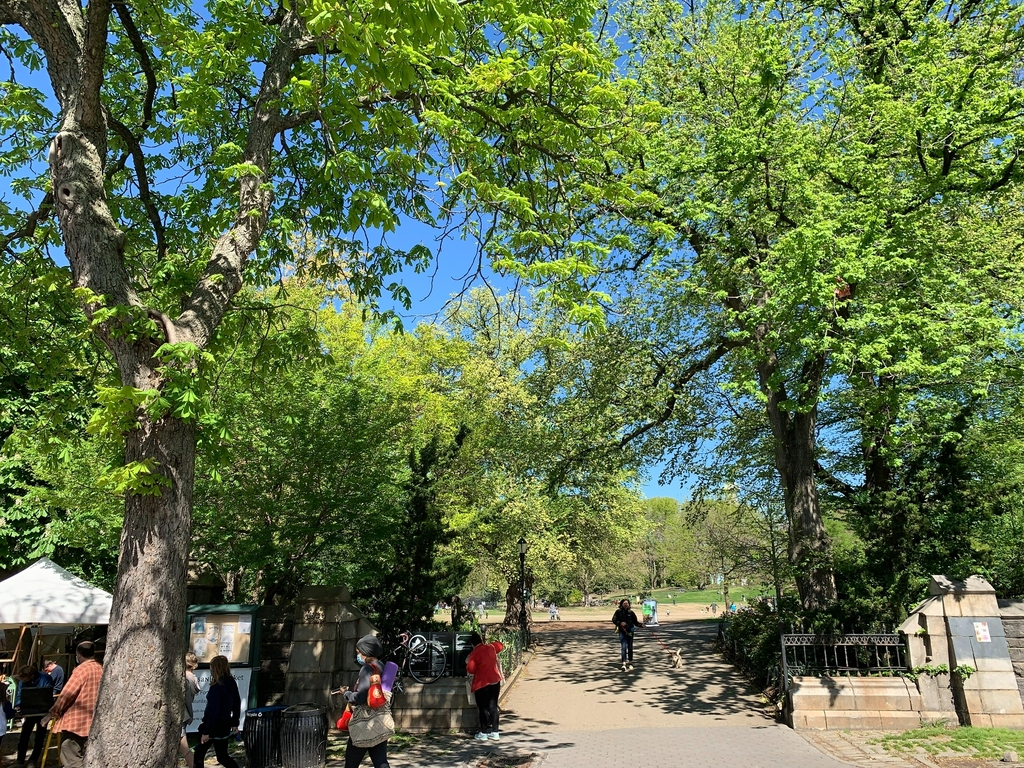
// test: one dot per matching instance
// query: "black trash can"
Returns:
(262, 737)
(304, 736)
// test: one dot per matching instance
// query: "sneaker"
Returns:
(630, 665)
(494, 736)
(481, 736)
(623, 666)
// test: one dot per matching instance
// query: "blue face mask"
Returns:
(360, 659)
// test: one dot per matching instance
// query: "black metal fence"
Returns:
(457, 648)
(853, 655)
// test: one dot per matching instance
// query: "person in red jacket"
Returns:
(483, 665)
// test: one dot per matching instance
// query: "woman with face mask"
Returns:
(368, 652)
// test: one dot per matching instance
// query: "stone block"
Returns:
(941, 585)
(887, 703)
(350, 630)
(978, 720)
(312, 657)
(995, 680)
(972, 701)
(325, 594)
(1007, 721)
(1011, 609)
(936, 694)
(315, 613)
(935, 625)
(310, 633)
(853, 721)
(417, 720)
(993, 665)
(808, 720)
(977, 604)
(900, 721)
(1001, 702)
(917, 650)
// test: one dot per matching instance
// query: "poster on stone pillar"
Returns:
(981, 633)
(242, 675)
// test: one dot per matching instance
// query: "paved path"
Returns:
(574, 708)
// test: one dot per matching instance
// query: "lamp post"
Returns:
(522, 585)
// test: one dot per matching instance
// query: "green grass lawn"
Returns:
(935, 740)
(701, 597)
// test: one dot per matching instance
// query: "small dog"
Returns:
(677, 659)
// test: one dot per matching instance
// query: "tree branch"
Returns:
(28, 229)
(222, 278)
(684, 377)
(89, 108)
(832, 482)
(139, 46)
(139, 161)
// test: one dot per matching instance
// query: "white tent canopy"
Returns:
(46, 594)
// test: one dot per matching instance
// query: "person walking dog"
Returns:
(626, 622)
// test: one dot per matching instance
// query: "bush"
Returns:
(750, 638)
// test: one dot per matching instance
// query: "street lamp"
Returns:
(522, 585)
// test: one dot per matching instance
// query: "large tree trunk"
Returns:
(514, 604)
(148, 631)
(793, 433)
(138, 715)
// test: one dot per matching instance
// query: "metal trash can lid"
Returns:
(258, 711)
(304, 708)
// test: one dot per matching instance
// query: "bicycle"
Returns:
(424, 660)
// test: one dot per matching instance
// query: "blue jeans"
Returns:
(626, 641)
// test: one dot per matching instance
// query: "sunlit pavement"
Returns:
(574, 707)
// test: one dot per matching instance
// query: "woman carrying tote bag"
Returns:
(370, 728)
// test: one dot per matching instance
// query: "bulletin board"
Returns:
(221, 634)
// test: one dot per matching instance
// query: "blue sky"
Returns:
(430, 290)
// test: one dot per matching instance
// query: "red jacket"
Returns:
(482, 664)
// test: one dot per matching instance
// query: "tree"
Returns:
(844, 191)
(190, 143)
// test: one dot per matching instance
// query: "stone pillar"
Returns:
(323, 647)
(928, 650)
(976, 639)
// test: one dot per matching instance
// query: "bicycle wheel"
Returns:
(430, 663)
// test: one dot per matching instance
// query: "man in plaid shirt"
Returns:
(74, 707)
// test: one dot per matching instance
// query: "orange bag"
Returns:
(375, 698)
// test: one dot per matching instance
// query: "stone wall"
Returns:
(1012, 612)
(442, 705)
(854, 703)
(309, 648)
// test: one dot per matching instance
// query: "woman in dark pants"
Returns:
(482, 663)
(223, 709)
(368, 651)
(626, 622)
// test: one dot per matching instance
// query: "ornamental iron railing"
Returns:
(852, 655)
